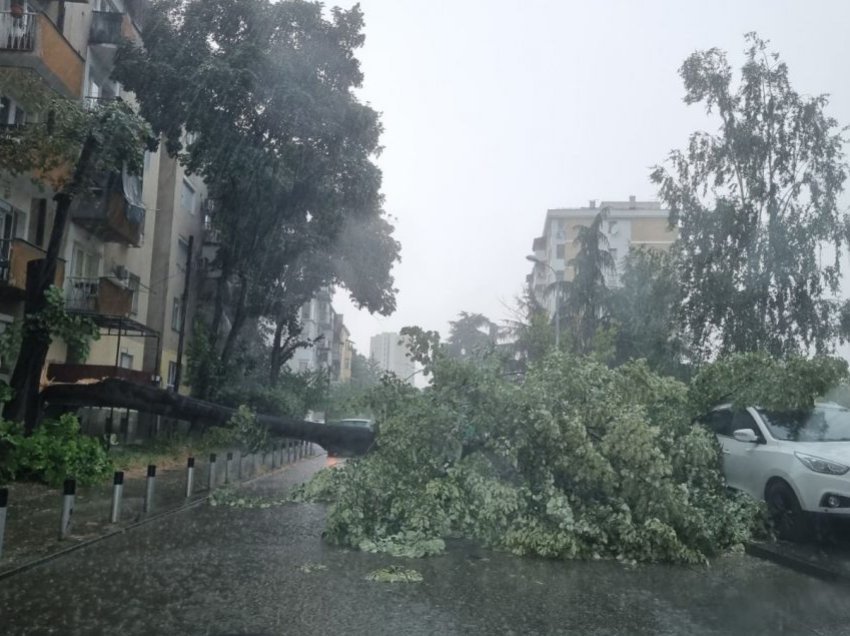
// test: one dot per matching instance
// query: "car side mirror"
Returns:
(746, 435)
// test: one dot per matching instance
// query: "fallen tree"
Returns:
(574, 460)
(343, 440)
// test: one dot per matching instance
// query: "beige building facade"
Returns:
(627, 225)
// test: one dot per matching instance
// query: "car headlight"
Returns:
(821, 465)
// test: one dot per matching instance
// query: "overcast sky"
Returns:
(497, 110)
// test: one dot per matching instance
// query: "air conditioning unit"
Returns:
(121, 272)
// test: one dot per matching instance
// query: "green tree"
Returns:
(644, 308)
(472, 336)
(754, 203)
(264, 93)
(530, 335)
(584, 303)
(68, 148)
(365, 372)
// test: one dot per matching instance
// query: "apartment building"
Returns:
(317, 324)
(125, 250)
(390, 352)
(174, 270)
(342, 351)
(627, 225)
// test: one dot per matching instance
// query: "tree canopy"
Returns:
(258, 98)
(754, 203)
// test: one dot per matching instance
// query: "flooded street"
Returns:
(220, 570)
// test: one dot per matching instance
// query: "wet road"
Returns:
(214, 570)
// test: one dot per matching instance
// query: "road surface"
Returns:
(215, 570)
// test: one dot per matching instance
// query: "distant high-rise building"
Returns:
(390, 352)
(627, 224)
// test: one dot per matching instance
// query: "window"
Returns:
(105, 5)
(719, 422)
(176, 314)
(39, 217)
(125, 361)
(303, 366)
(171, 381)
(182, 253)
(560, 248)
(11, 114)
(84, 264)
(5, 362)
(187, 197)
(559, 276)
(134, 283)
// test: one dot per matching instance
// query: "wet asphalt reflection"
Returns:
(214, 570)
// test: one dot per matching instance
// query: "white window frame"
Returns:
(187, 186)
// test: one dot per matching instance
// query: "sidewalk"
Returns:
(33, 513)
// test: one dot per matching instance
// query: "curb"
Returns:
(114, 532)
(775, 554)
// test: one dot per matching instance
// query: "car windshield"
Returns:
(820, 424)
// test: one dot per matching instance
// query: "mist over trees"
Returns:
(258, 98)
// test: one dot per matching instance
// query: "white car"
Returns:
(798, 462)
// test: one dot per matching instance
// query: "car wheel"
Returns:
(789, 520)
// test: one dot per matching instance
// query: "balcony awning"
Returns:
(133, 194)
(115, 325)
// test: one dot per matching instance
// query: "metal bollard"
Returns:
(190, 476)
(288, 452)
(4, 500)
(117, 493)
(149, 488)
(69, 489)
(239, 467)
(212, 471)
(274, 456)
(227, 466)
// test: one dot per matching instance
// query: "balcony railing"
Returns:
(17, 31)
(15, 256)
(31, 41)
(92, 103)
(98, 296)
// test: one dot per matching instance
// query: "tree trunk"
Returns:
(238, 320)
(26, 377)
(275, 361)
(345, 440)
(218, 307)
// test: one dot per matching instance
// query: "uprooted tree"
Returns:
(577, 460)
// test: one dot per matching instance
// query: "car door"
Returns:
(719, 422)
(741, 461)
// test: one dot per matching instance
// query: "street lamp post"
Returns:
(538, 261)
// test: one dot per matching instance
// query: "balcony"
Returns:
(15, 256)
(31, 41)
(101, 296)
(74, 373)
(114, 213)
(107, 28)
